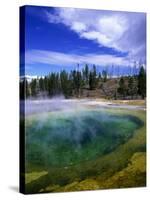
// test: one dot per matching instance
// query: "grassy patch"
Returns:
(29, 177)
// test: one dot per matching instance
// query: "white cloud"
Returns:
(78, 26)
(62, 59)
(97, 36)
(124, 31)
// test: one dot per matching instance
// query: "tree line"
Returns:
(71, 84)
(133, 86)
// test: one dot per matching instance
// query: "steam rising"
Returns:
(65, 132)
(59, 103)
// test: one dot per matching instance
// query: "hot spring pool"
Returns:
(61, 139)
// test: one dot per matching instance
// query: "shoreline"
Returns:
(49, 105)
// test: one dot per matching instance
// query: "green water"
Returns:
(64, 139)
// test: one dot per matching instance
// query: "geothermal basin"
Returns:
(66, 134)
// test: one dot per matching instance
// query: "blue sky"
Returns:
(61, 38)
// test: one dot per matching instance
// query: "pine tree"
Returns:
(142, 82)
(65, 83)
(22, 89)
(41, 84)
(99, 75)
(91, 85)
(33, 86)
(87, 73)
(27, 89)
(46, 83)
(122, 87)
(77, 81)
(92, 78)
(132, 86)
(53, 84)
(104, 74)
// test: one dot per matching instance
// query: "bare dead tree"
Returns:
(112, 70)
(118, 71)
(134, 68)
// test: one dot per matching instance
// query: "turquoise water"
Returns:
(67, 138)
